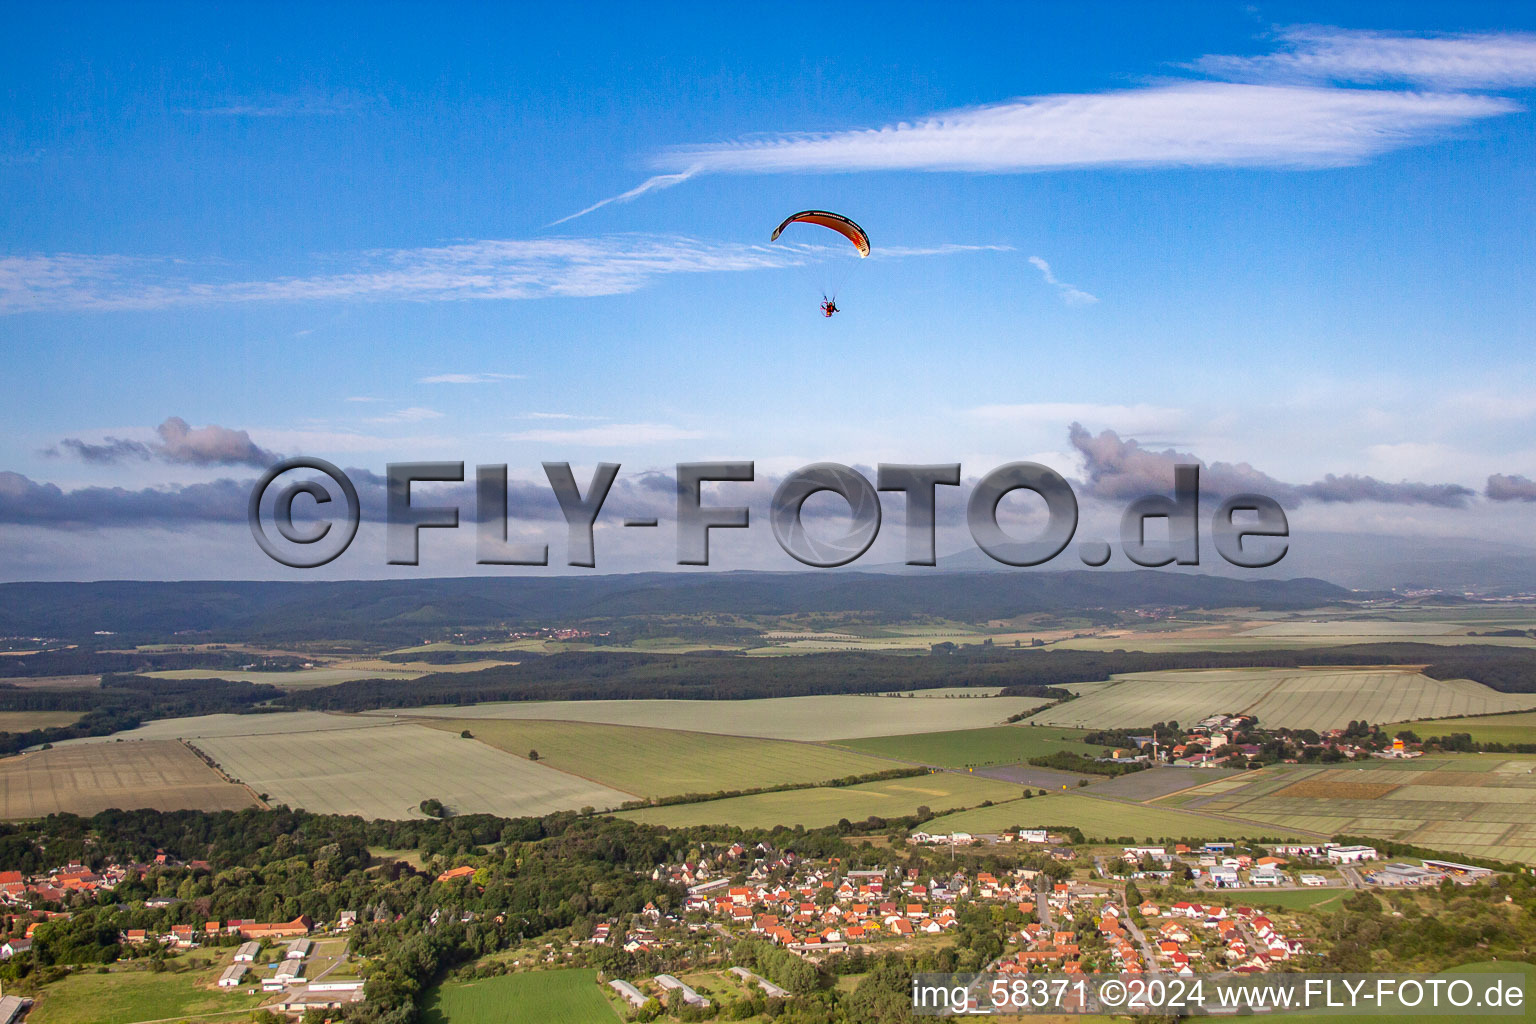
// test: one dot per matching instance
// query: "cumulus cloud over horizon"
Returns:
(1115, 469)
(1120, 468)
(1510, 487)
(179, 442)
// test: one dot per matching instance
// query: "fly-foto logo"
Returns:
(1249, 530)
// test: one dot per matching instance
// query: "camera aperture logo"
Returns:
(1250, 530)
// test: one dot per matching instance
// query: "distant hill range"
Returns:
(1360, 561)
(410, 609)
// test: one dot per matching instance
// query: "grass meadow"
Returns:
(537, 997)
(128, 995)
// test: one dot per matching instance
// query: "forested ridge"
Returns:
(1025, 672)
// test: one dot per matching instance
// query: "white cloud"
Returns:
(557, 416)
(470, 378)
(481, 269)
(609, 434)
(411, 414)
(1285, 109)
(1070, 294)
(651, 184)
(1465, 61)
(1190, 124)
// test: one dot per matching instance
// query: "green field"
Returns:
(539, 997)
(834, 717)
(1479, 805)
(129, 995)
(1294, 698)
(1003, 744)
(1516, 728)
(665, 762)
(1100, 819)
(814, 808)
(1323, 898)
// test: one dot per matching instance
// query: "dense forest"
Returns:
(408, 610)
(77, 661)
(1023, 672)
(123, 702)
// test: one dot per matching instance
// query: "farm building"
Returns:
(631, 995)
(298, 949)
(247, 952)
(232, 975)
(671, 984)
(769, 988)
(276, 930)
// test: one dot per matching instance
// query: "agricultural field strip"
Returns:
(164, 775)
(1514, 727)
(388, 776)
(1104, 819)
(995, 745)
(664, 762)
(207, 726)
(825, 806)
(1473, 806)
(1357, 627)
(814, 719)
(1318, 699)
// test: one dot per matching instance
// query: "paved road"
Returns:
(1141, 939)
(1043, 886)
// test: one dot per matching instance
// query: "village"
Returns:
(304, 965)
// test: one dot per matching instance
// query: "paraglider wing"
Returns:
(836, 221)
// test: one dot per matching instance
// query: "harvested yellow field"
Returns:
(1324, 698)
(787, 718)
(86, 780)
(26, 721)
(387, 772)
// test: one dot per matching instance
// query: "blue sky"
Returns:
(1276, 239)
